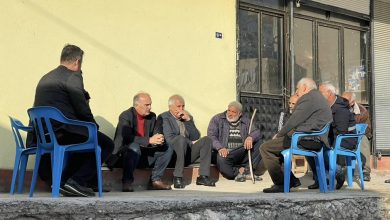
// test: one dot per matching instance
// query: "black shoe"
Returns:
(274, 189)
(366, 177)
(315, 185)
(205, 181)
(387, 181)
(75, 188)
(178, 182)
(67, 193)
(295, 182)
(340, 179)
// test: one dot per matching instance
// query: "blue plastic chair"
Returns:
(350, 155)
(21, 156)
(318, 155)
(42, 118)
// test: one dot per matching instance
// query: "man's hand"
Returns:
(156, 139)
(248, 144)
(183, 115)
(223, 152)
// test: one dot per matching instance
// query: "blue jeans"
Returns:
(136, 156)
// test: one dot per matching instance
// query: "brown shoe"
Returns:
(127, 187)
(159, 185)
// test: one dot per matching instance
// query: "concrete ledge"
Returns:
(307, 205)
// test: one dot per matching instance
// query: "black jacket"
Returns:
(343, 123)
(126, 130)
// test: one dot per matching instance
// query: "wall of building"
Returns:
(162, 47)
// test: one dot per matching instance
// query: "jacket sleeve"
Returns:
(302, 112)
(193, 132)
(212, 132)
(126, 133)
(75, 88)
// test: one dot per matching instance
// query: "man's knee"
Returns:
(134, 148)
(179, 141)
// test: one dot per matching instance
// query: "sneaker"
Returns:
(67, 193)
(240, 178)
(274, 189)
(205, 181)
(75, 188)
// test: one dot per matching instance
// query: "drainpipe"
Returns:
(292, 53)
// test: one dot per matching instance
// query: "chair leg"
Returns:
(22, 172)
(15, 171)
(321, 172)
(332, 169)
(99, 170)
(287, 156)
(57, 170)
(360, 165)
(350, 166)
(35, 173)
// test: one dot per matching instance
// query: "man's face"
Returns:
(291, 103)
(348, 96)
(301, 90)
(177, 108)
(325, 92)
(233, 113)
(144, 105)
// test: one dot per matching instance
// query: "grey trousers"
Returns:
(200, 150)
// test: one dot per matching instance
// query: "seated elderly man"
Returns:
(139, 140)
(343, 123)
(232, 139)
(183, 137)
(311, 113)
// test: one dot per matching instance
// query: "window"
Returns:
(260, 60)
(328, 55)
(355, 66)
(303, 46)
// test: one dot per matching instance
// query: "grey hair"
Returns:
(137, 97)
(175, 97)
(308, 82)
(236, 105)
(330, 87)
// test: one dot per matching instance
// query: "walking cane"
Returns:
(249, 151)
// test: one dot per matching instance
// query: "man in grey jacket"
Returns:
(311, 113)
(232, 139)
(183, 137)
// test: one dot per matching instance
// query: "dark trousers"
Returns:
(229, 166)
(142, 157)
(81, 167)
(200, 150)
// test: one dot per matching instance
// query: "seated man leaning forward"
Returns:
(311, 113)
(232, 139)
(182, 136)
(138, 136)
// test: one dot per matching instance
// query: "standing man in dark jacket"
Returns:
(232, 139)
(311, 113)
(138, 136)
(183, 137)
(63, 88)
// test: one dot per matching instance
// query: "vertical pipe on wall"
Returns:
(292, 54)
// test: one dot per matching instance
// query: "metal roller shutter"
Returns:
(381, 48)
(360, 6)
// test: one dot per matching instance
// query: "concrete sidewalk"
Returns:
(229, 200)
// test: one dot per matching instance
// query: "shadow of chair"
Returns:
(42, 119)
(21, 154)
(351, 157)
(318, 156)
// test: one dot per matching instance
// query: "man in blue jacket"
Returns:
(232, 139)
